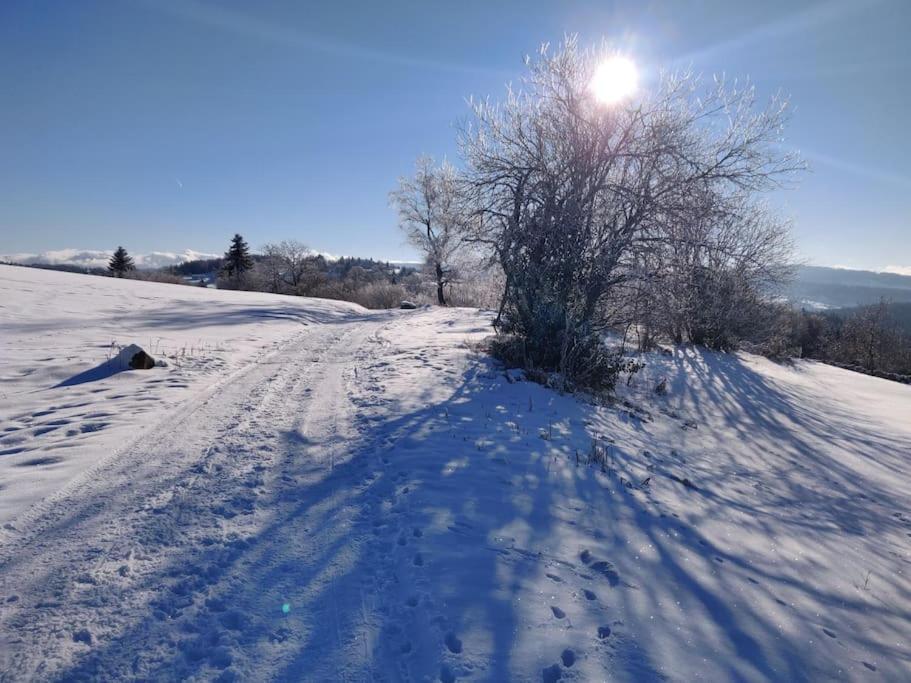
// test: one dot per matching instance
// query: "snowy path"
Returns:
(372, 501)
(235, 503)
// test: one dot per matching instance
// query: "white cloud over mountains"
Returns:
(98, 258)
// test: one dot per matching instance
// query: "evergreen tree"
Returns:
(121, 263)
(237, 259)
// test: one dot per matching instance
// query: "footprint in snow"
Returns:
(418, 560)
(554, 577)
(552, 674)
(233, 620)
(83, 636)
(589, 595)
(568, 657)
(603, 632)
(453, 643)
(559, 613)
(606, 569)
(829, 633)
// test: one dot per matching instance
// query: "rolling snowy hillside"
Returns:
(64, 407)
(316, 492)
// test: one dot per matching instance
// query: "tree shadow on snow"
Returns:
(389, 527)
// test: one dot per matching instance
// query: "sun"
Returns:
(615, 79)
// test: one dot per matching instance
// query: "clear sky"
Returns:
(171, 124)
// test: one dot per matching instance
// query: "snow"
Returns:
(65, 405)
(368, 497)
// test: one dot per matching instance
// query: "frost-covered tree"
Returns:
(270, 269)
(237, 259)
(576, 198)
(870, 337)
(432, 216)
(712, 273)
(284, 265)
(121, 263)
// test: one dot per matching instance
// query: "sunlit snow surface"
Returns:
(365, 497)
(63, 406)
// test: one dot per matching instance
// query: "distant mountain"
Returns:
(822, 288)
(94, 258)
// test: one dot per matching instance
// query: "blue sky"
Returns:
(165, 125)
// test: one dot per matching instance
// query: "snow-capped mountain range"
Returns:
(98, 258)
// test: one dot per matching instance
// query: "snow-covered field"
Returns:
(364, 497)
(64, 408)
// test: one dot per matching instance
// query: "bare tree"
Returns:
(285, 264)
(711, 274)
(431, 215)
(296, 256)
(870, 337)
(573, 197)
(270, 269)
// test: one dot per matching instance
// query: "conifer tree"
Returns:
(121, 263)
(237, 259)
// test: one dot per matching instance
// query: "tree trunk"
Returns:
(441, 300)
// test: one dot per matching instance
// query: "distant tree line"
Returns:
(197, 267)
(875, 339)
(290, 267)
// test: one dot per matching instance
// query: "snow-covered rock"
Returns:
(133, 357)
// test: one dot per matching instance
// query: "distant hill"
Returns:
(822, 288)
